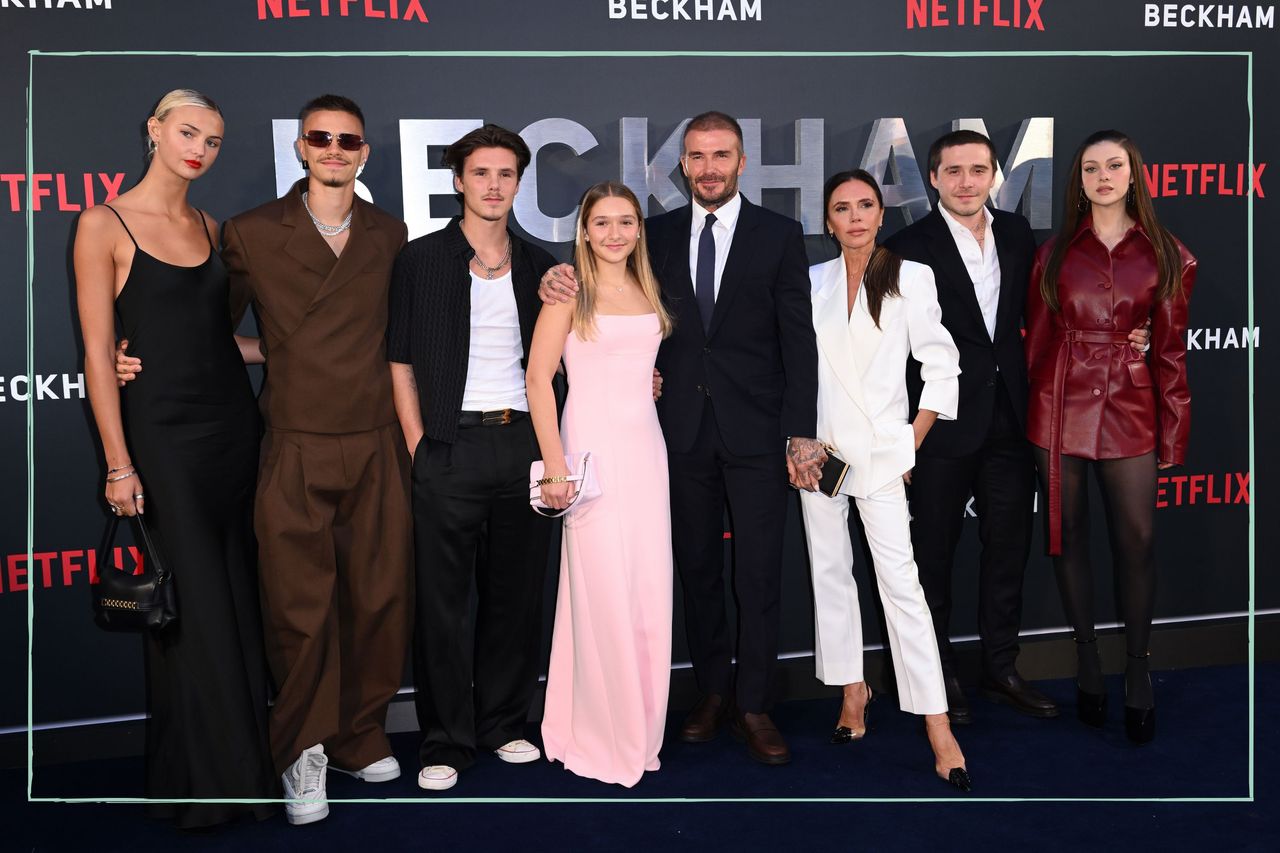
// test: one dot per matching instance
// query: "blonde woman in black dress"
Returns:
(180, 444)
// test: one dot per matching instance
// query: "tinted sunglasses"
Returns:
(322, 138)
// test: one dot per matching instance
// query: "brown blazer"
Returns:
(323, 318)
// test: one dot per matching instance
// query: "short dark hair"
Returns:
(954, 138)
(489, 136)
(330, 103)
(713, 120)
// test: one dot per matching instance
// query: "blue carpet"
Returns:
(1201, 751)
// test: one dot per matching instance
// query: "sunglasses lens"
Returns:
(318, 138)
(322, 138)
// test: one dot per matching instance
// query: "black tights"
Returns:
(1128, 492)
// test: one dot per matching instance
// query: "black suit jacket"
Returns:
(429, 318)
(929, 241)
(758, 363)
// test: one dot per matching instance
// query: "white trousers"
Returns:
(838, 619)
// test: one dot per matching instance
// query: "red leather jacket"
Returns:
(1093, 395)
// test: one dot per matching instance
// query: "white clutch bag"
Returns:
(581, 474)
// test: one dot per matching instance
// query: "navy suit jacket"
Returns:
(758, 362)
(929, 241)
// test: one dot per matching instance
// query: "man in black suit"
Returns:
(738, 410)
(981, 259)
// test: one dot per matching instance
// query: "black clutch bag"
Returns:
(834, 470)
(123, 601)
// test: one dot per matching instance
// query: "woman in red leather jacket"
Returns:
(1096, 402)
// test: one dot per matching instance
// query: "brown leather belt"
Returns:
(1066, 337)
(494, 417)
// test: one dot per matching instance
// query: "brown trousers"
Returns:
(335, 553)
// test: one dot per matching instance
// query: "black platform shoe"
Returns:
(1091, 708)
(845, 734)
(1140, 724)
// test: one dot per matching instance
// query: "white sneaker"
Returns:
(304, 786)
(382, 770)
(437, 777)
(518, 752)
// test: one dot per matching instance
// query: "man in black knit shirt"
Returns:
(464, 301)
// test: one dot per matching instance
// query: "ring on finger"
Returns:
(138, 496)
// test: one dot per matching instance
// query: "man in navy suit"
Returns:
(738, 411)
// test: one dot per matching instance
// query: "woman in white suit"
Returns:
(872, 311)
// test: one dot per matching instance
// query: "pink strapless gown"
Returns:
(611, 649)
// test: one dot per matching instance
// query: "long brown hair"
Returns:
(881, 275)
(1137, 204)
(584, 310)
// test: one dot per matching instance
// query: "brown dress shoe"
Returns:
(764, 741)
(703, 722)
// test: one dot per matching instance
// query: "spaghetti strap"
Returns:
(205, 225)
(122, 224)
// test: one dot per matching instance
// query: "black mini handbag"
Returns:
(127, 602)
(834, 470)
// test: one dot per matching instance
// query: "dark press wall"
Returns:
(582, 81)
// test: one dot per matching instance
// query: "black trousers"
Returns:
(1001, 477)
(755, 488)
(472, 523)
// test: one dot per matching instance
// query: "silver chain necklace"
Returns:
(490, 272)
(327, 230)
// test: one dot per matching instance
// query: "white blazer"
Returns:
(862, 371)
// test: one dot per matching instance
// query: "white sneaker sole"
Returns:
(385, 776)
(304, 813)
(518, 757)
(437, 784)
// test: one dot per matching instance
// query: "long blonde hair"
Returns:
(584, 259)
(171, 101)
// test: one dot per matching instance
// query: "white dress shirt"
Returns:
(722, 231)
(495, 379)
(981, 262)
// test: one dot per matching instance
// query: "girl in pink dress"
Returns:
(611, 648)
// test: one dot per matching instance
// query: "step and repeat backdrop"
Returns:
(600, 89)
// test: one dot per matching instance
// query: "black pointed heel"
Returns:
(845, 734)
(959, 778)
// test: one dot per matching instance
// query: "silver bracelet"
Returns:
(122, 477)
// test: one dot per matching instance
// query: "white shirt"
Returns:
(721, 231)
(495, 379)
(982, 263)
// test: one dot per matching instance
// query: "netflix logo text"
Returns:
(1012, 14)
(62, 568)
(393, 10)
(1202, 179)
(68, 191)
(1197, 489)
